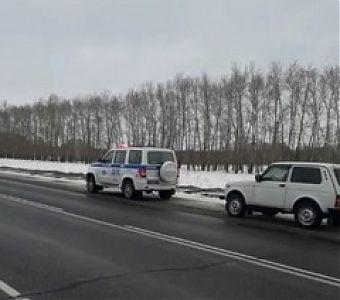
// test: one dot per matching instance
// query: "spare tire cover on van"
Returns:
(168, 171)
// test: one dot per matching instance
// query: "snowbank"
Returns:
(201, 179)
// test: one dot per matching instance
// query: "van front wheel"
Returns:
(91, 184)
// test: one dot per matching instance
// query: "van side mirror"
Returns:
(258, 177)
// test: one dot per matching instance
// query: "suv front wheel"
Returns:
(235, 206)
(308, 215)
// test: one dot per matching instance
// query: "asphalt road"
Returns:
(60, 243)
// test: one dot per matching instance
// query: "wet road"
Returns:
(60, 243)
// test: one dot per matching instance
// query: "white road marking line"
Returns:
(243, 257)
(10, 291)
(233, 253)
(321, 278)
(31, 203)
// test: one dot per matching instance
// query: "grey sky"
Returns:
(73, 47)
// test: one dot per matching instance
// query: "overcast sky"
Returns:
(73, 47)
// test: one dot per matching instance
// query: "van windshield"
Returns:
(337, 175)
(160, 157)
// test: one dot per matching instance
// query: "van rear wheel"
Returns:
(165, 194)
(128, 189)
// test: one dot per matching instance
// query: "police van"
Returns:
(134, 170)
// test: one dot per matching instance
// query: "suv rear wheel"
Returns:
(235, 206)
(308, 215)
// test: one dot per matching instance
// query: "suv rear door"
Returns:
(312, 182)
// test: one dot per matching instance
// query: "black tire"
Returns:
(235, 206)
(91, 184)
(165, 194)
(269, 212)
(128, 189)
(308, 215)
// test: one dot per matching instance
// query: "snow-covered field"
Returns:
(201, 179)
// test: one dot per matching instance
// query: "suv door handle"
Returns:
(282, 185)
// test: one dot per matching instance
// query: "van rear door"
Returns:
(155, 159)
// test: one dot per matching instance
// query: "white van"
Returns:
(134, 170)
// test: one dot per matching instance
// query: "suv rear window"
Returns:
(160, 157)
(135, 157)
(306, 175)
(337, 175)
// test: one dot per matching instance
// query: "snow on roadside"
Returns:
(213, 179)
(44, 165)
(201, 179)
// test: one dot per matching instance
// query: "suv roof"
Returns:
(306, 163)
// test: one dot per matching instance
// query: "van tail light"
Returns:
(141, 172)
(337, 201)
(178, 172)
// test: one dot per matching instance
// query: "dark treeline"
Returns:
(248, 117)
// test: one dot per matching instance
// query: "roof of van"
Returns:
(306, 163)
(141, 148)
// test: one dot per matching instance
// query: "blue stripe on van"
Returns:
(127, 166)
(96, 165)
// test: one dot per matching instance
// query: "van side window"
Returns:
(107, 159)
(160, 157)
(306, 175)
(135, 157)
(120, 157)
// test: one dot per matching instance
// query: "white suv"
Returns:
(134, 170)
(310, 191)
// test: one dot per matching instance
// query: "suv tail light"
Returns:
(337, 201)
(141, 172)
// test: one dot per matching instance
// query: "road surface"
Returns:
(60, 243)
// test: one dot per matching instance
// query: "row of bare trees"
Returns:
(249, 115)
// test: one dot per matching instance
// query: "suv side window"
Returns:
(135, 157)
(107, 159)
(276, 173)
(120, 157)
(306, 175)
